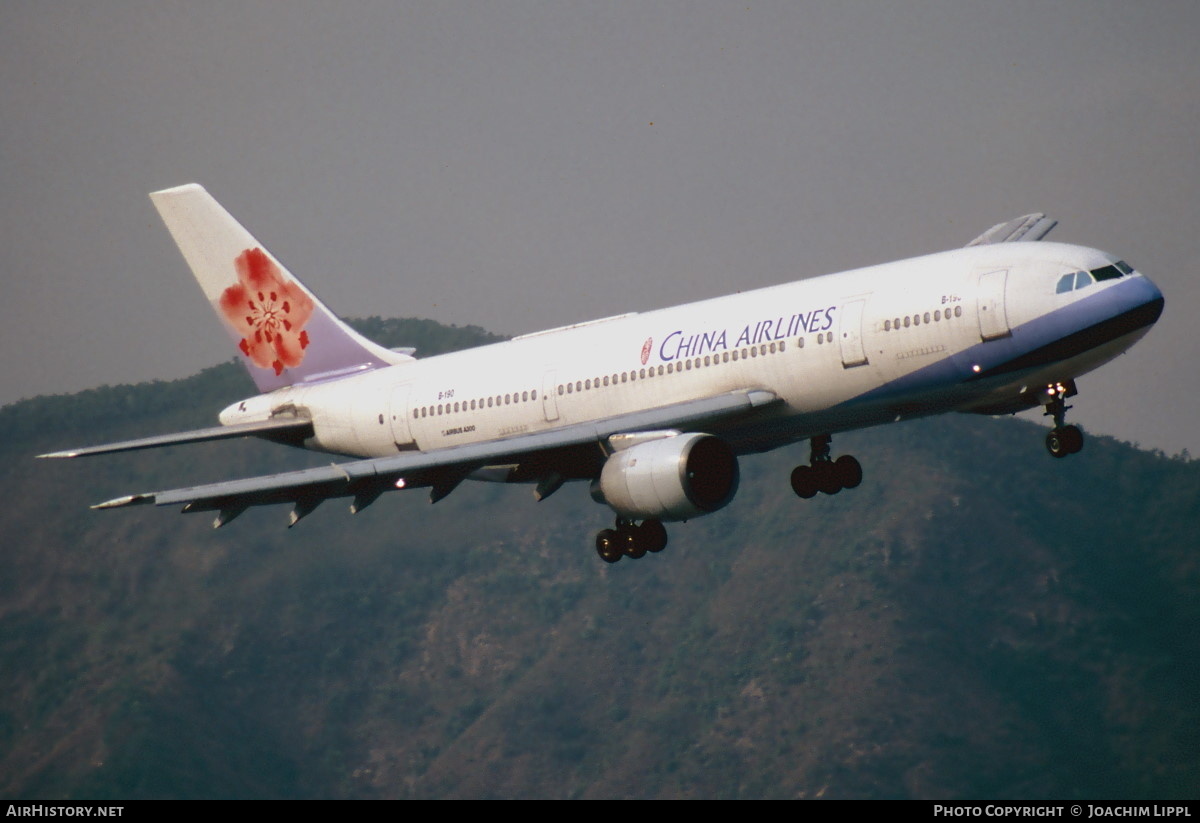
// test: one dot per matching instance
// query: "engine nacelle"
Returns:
(675, 478)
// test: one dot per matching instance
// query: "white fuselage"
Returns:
(954, 330)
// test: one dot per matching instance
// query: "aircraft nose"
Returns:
(1149, 300)
(1159, 300)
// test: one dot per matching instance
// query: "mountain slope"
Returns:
(976, 620)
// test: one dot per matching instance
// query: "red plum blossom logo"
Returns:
(268, 311)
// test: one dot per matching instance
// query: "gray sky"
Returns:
(521, 165)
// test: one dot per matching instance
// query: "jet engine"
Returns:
(674, 478)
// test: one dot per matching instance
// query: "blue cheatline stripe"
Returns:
(1058, 335)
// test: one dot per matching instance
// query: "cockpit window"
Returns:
(1082, 279)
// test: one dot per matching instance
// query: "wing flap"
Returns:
(281, 429)
(1025, 229)
(365, 479)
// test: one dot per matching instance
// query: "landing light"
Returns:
(400, 483)
(975, 368)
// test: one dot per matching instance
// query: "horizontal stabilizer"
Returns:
(1024, 229)
(280, 430)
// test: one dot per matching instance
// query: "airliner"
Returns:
(652, 409)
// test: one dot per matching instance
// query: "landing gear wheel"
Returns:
(1057, 444)
(631, 543)
(827, 478)
(804, 483)
(849, 471)
(1073, 437)
(608, 546)
(823, 474)
(653, 535)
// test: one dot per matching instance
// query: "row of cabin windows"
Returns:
(677, 366)
(762, 350)
(918, 319)
(472, 405)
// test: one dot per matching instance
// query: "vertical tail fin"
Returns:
(285, 334)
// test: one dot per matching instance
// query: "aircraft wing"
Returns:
(1018, 230)
(280, 429)
(442, 469)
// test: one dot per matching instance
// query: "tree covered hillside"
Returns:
(976, 620)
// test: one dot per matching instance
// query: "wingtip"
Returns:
(127, 500)
(185, 188)
(57, 455)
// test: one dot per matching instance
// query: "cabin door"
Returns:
(853, 353)
(399, 413)
(549, 398)
(993, 317)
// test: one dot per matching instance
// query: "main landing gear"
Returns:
(630, 540)
(824, 474)
(1063, 439)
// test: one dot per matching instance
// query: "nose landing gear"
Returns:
(1064, 438)
(824, 474)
